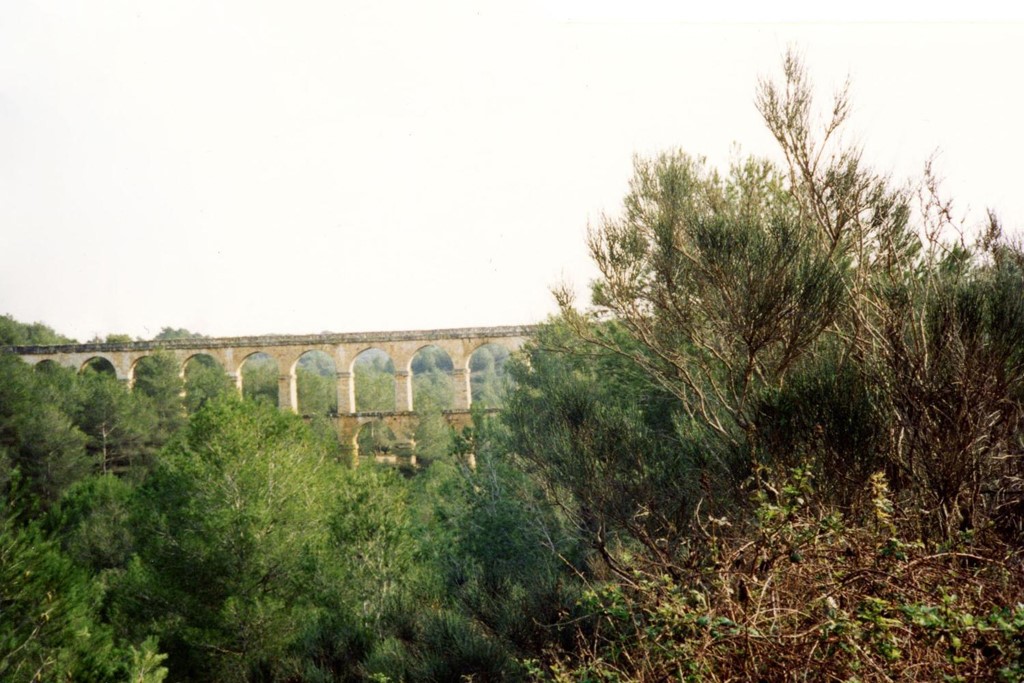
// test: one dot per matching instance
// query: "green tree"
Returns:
(433, 392)
(51, 627)
(488, 378)
(259, 378)
(158, 382)
(252, 541)
(488, 588)
(610, 446)
(509, 556)
(433, 435)
(713, 288)
(317, 384)
(93, 524)
(767, 319)
(38, 439)
(205, 380)
(926, 319)
(230, 520)
(375, 438)
(123, 432)
(374, 378)
(14, 333)
(170, 333)
(720, 283)
(431, 358)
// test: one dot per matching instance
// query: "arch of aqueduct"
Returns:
(232, 352)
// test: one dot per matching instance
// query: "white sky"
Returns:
(246, 167)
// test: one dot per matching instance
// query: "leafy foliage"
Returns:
(122, 430)
(228, 522)
(14, 333)
(158, 380)
(603, 440)
(167, 333)
(806, 595)
(489, 381)
(205, 380)
(247, 531)
(374, 378)
(804, 321)
(39, 441)
(317, 384)
(259, 378)
(51, 627)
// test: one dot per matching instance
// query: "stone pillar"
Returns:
(462, 396)
(348, 431)
(236, 380)
(403, 391)
(287, 393)
(346, 394)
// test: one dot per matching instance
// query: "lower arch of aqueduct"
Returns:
(232, 352)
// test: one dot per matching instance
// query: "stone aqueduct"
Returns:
(232, 352)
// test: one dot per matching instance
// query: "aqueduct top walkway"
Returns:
(231, 353)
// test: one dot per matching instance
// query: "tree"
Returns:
(205, 380)
(433, 435)
(769, 350)
(605, 441)
(374, 378)
(433, 393)
(252, 540)
(375, 438)
(505, 557)
(168, 333)
(728, 287)
(719, 282)
(14, 333)
(92, 522)
(228, 522)
(39, 444)
(123, 433)
(51, 627)
(317, 384)
(489, 381)
(157, 381)
(259, 379)
(926, 316)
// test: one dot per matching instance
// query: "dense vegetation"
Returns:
(784, 443)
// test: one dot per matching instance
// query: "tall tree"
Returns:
(316, 380)
(14, 333)
(719, 281)
(205, 380)
(51, 627)
(158, 382)
(169, 333)
(252, 541)
(374, 378)
(121, 430)
(39, 442)
(259, 379)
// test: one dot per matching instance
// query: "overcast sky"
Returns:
(248, 167)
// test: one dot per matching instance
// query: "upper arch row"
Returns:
(344, 356)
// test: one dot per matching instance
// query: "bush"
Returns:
(804, 595)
